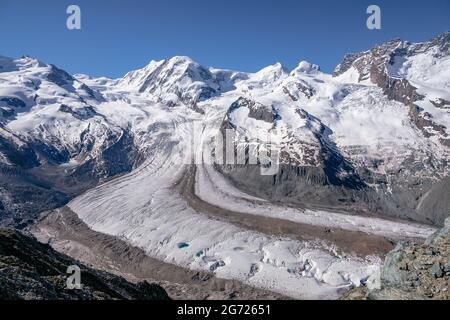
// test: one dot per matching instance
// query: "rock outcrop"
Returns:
(33, 271)
(379, 65)
(414, 271)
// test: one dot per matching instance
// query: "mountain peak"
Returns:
(9, 64)
(29, 61)
(306, 67)
(181, 59)
(276, 67)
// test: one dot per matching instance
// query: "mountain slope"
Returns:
(53, 142)
(31, 270)
(136, 158)
(414, 74)
(414, 271)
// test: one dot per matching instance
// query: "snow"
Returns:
(215, 189)
(431, 76)
(306, 67)
(142, 208)
(156, 104)
(364, 121)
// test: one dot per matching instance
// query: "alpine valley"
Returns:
(102, 170)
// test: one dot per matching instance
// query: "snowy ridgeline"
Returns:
(77, 119)
(143, 208)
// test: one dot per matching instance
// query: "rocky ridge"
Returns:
(31, 270)
(370, 138)
(414, 271)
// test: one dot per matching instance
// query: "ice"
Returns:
(160, 105)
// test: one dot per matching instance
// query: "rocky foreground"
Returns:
(30, 270)
(414, 271)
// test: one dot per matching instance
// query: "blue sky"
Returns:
(118, 36)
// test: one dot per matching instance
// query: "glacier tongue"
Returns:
(369, 139)
(143, 207)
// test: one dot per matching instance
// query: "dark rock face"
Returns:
(441, 103)
(413, 194)
(436, 202)
(35, 181)
(59, 76)
(256, 110)
(346, 63)
(22, 156)
(328, 179)
(63, 79)
(119, 157)
(301, 87)
(24, 195)
(9, 106)
(13, 102)
(31, 270)
(7, 112)
(79, 113)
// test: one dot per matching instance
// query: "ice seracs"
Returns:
(349, 141)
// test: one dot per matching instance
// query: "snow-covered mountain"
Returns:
(377, 126)
(179, 79)
(381, 138)
(370, 139)
(50, 131)
(46, 108)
